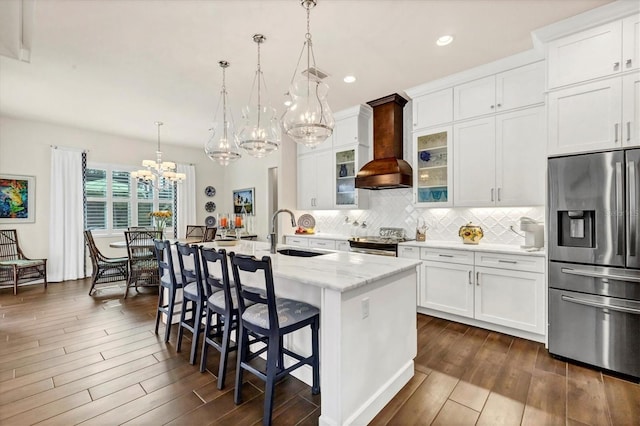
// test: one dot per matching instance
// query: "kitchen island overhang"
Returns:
(368, 336)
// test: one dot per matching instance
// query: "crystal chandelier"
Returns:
(308, 120)
(157, 173)
(260, 134)
(223, 145)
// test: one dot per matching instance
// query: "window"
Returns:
(115, 203)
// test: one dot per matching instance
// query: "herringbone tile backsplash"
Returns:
(395, 208)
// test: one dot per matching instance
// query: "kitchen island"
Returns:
(368, 337)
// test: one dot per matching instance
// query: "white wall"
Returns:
(25, 150)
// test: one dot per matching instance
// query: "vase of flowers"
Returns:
(160, 220)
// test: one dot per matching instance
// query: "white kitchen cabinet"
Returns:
(484, 288)
(322, 243)
(594, 53)
(510, 298)
(343, 245)
(353, 126)
(315, 190)
(516, 88)
(433, 109)
(432, 175)
(447, 287)
(296, 241)
(594, 116)
(630, 126)
(500, 161)
(347, 161)
(409, 252)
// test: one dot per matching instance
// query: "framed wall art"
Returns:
(243, 201)
(17, 199)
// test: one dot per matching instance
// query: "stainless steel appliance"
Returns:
(594, 265)
(385, 244)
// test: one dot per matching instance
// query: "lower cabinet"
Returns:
(486, 288)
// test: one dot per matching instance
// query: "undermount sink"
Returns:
(299, 253)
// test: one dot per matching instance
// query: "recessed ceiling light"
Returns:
(287, 103)
(349, 79)
(444, 40)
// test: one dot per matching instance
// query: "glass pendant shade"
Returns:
(222, 146)
(260, 134)
(308, 120)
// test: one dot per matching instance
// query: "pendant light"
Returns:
(157, 173)
(308, 120)
(223, 144)
(260, 134)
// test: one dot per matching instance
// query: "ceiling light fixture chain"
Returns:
(158, 174)
(222, 145)
(260, 134)
(308, 119)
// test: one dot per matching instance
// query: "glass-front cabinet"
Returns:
(346, 166)
(432, 167)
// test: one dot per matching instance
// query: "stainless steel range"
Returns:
(385, 244)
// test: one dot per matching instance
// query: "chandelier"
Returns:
(223, 145)
(157, 173)
(308, 120)
(260, 134)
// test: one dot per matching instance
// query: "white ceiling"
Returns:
(119, 66)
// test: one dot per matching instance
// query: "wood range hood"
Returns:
(387, 170)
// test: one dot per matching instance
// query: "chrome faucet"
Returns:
(273, 236)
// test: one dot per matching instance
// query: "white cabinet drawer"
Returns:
(297, 241)
(445, 255)
(343, 246)
(410, 252)
(324, 244)
(511, 261)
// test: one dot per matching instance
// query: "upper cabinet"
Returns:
(326, 174)
(500, 161)
(516, 88)
(432, 171)
(433, 109)
(602, 51)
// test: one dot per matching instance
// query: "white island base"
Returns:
(368, 332)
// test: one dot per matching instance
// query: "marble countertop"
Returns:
(340, 271)
(486, 247)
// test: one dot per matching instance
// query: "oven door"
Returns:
(373, 251)
(370, 247)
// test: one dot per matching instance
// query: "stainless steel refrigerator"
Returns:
(594, 259)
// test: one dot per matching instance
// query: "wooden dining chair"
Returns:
(105, 269)
(270, 318)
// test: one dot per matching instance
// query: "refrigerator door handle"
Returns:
(601, 305)
(633, 207)
(619, 210)
(596, 274)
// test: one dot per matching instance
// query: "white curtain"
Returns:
(66, 220)
(186, 207)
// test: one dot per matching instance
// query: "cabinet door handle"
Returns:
(445, 255)
(499, 193)
(628, 131)
(616, 65)
(499, 105)
(616, 132)
(628, 63)
(470, 278)
(478, 278)
(492, 106)
(491, 194)
(507, 261)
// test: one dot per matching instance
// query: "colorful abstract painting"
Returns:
(16, 198)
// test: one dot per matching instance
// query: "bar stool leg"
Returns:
(224, 353)
(273, 359)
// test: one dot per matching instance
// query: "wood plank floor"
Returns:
(68, 358)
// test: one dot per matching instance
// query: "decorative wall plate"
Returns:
(210, 221)
(210, 206)
(210, 191)
(306, 221)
